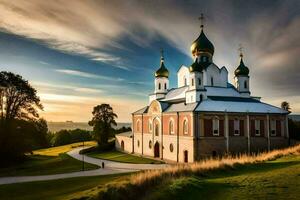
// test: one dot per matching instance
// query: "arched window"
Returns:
(159, 86)
(199, 81)
(215, 126)
(192, 82)
(185, 82)
(156, 129)
(138, 124)
(165, 86)
(212, 81)
(245, 85)
(150, 126)
(150, 144)
(185, 126)
(171, 127)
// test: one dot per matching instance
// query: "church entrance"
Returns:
(122, 145)
(186, 154)
(156, 150)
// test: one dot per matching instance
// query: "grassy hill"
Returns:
(52, 160)
(274, 175)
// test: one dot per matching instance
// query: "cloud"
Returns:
(101, 30)
(86, 75)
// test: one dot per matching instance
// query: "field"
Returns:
(55, 151)
(57, 189)
(48, 161)
(122, 157)
(276, 178)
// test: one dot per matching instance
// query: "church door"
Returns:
(122, 145)
(185, 154)
(156, 150)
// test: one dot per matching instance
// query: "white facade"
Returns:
(242, 85)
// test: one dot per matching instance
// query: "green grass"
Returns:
(279, 179)
(57, 189)
(122, 157)
(42, 165)
(55, 151)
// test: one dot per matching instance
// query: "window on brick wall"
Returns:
(171, 127)
(257, 127)
(138, 124)
(150, 126)
(216, 126)
(185, 126)
(236, 126)
(273, 127)
(156, 129)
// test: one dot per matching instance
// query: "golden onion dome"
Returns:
(202, 44)
(162, 71)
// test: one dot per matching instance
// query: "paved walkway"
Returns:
(111, 167)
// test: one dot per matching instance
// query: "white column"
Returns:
(268, 131)
(248, 133)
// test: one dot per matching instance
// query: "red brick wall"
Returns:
(278, 128)
(181, 119)
(146, 124)
(208, 127)
(135, 118)
(166, 121)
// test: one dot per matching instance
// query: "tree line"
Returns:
(22, 130)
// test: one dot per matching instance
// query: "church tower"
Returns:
(202, 50)
(241, 78)
(161, 82)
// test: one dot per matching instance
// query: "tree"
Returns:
(286, 106)
(19, 105)
(102, 121)
(62, 137)
(18, 98)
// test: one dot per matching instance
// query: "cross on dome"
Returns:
(201, 18)
(240, 49)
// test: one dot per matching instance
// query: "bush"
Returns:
(64, 137)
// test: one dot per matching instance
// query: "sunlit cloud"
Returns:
(86, 75)
(101, 31)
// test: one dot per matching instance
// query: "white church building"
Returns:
(205, 115)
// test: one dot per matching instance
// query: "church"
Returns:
(205, 115)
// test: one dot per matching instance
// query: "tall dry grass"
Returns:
(155, 176)
(140, 184)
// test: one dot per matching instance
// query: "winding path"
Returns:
(111, 167)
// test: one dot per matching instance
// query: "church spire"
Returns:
(162, 71)
(242, 69)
